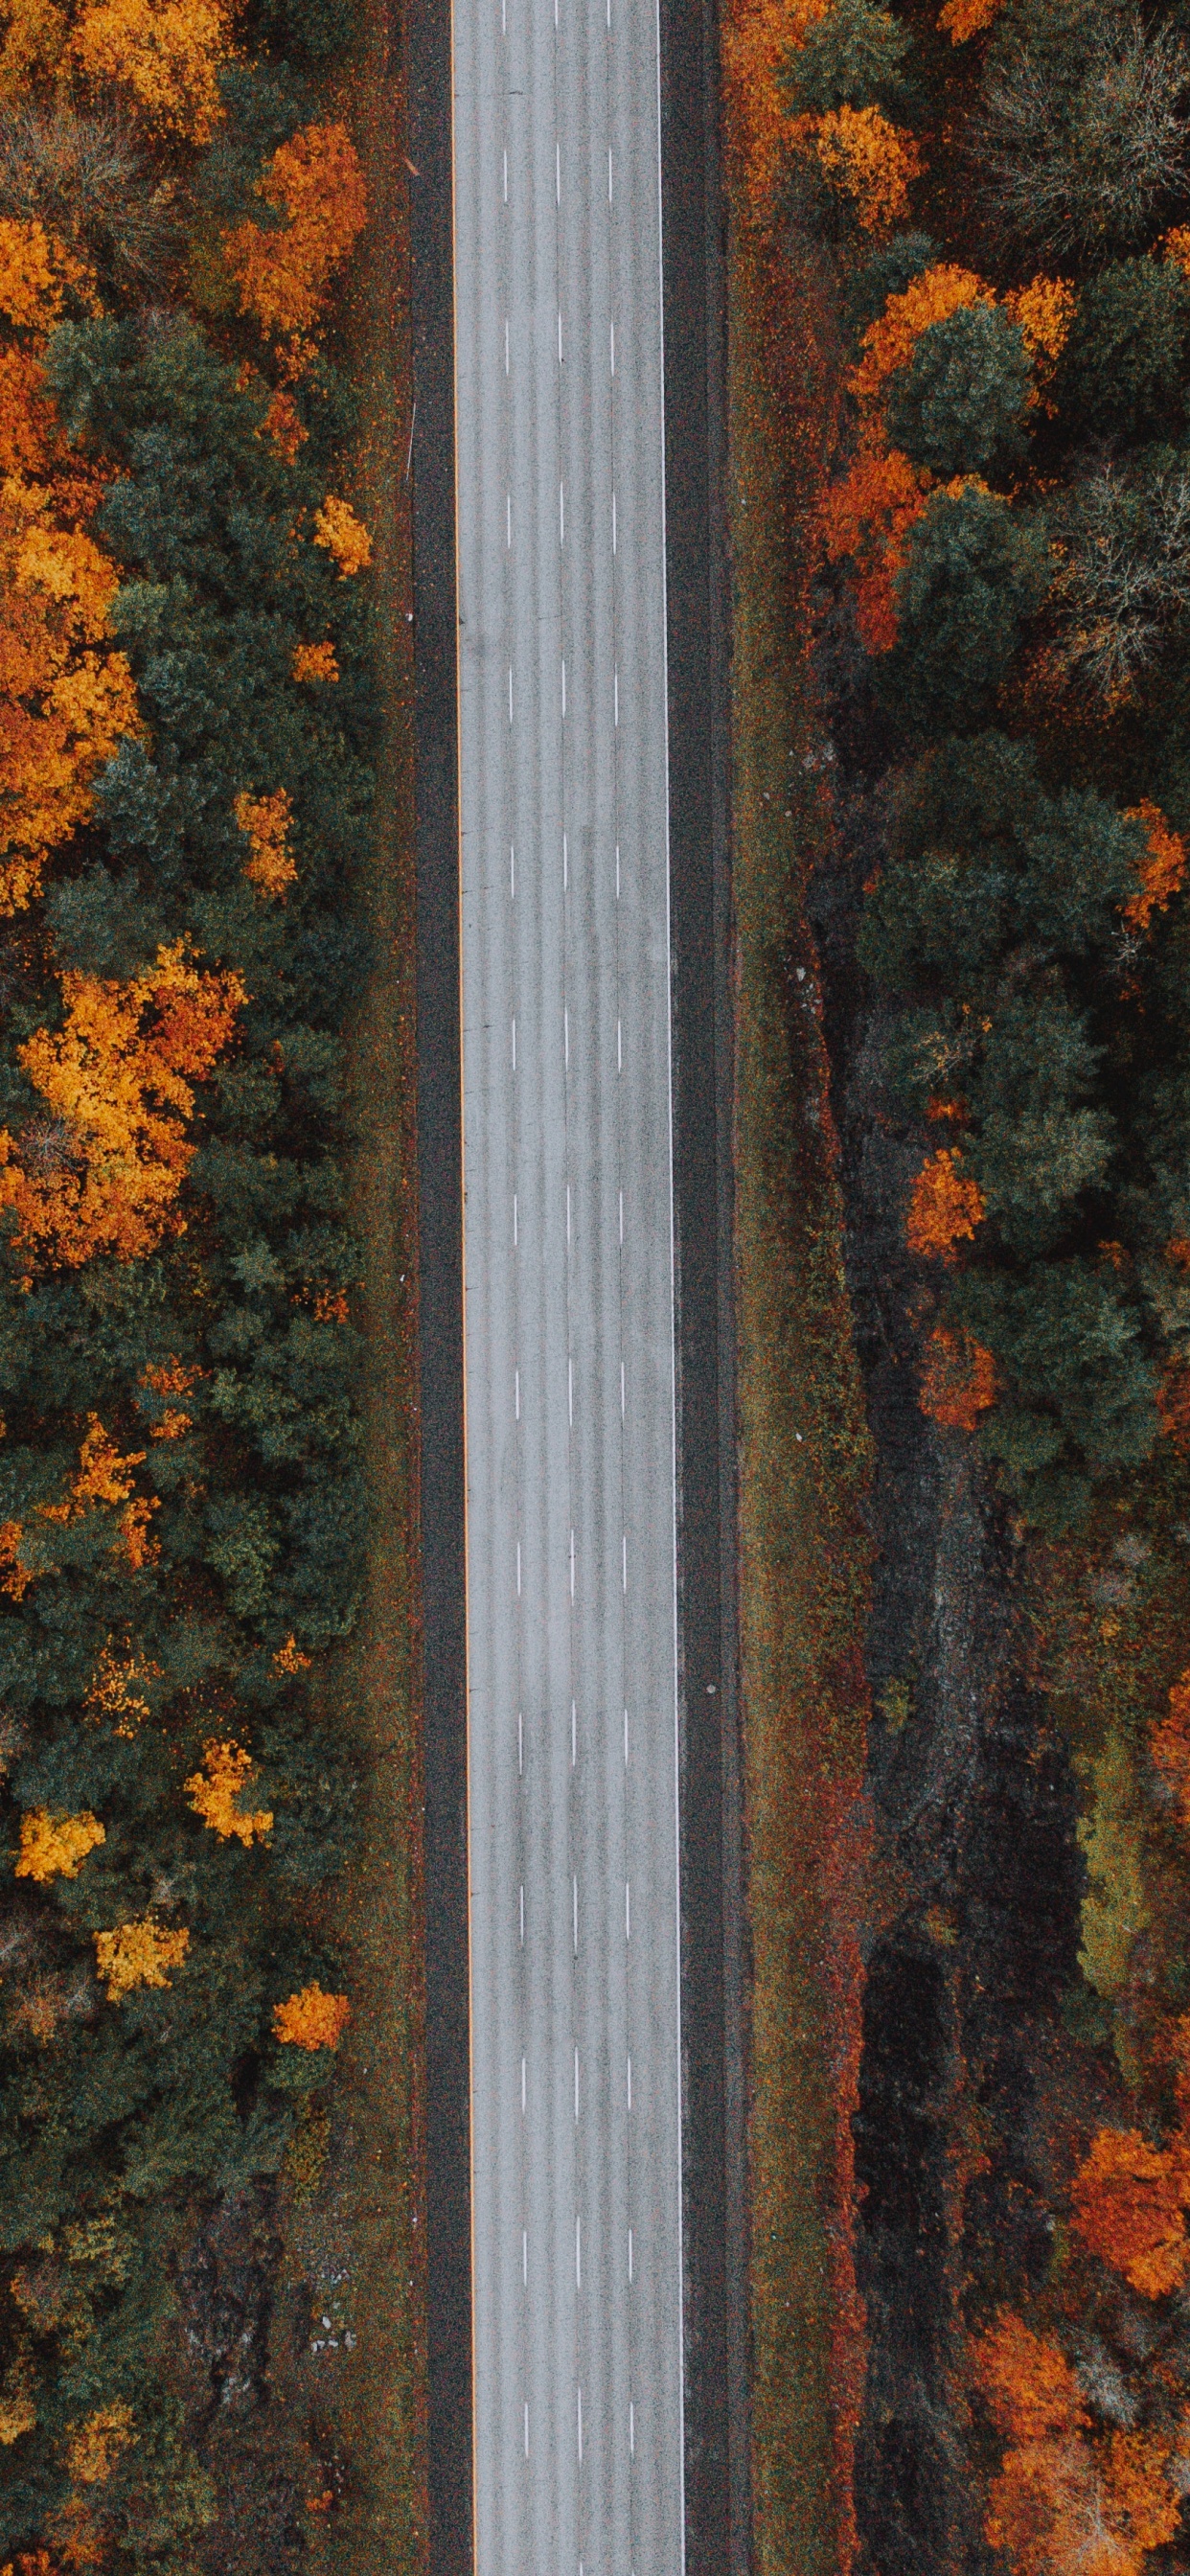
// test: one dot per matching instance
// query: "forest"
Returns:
(972, 234)
(187, 753)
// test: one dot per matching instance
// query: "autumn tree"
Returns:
(283, 274)
(945, 1206)
(140, 1953)
(865, 519)
(311, 2019)
(118, 1078)
(1128, 2204)
(163, 56)
(958, 1381)
(56, 1846)
(66, 697)
(215, 1791)
(1064, 2497)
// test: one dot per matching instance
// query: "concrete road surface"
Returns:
(576, 2138)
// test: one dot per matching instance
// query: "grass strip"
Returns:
(804, 1463)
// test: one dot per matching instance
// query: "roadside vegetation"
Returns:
(804, 1449)
(983, 219)
(208, 2332)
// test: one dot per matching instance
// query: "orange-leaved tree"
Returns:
(55, 1846)
(958, 1380)
(1170, 1747)
(865, 519)
(140, 1953)
(311, 2019)
(214, 1794)
(264, 821)
(1045, 310)
(338, 531)
(66, 697)
(1063, 2500)
(163, 55)
(1162, 867)
(103, 1173)
(867, 160)
(1128, 2201)
(944, 1207)
(283, 274)
(962, 19)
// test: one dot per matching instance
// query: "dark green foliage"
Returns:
(888, 272)
(974, 574)
(853, 56)
(958, 407)
(1123, 366)
(313, 30)
(999, 917)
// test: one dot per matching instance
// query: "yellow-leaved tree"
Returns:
(104, 1173)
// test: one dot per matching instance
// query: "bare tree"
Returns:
(1081, 141)
(1124, 575)
(83, 176)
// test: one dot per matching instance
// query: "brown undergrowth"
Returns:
(804, 1458)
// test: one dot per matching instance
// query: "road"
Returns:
(569, 1296)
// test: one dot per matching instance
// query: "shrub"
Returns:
(974, 574)
(1123, 364)
(958, 406)
(1082, 129)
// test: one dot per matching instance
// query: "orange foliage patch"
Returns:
(1061, 2501)
(1170, 1746)
(317, 182)
(963, 18)
(164, 55)
(64, 703)
(105, 1480)
(343, 536)
(138, 1954)
(283, 425)
(1176, 246)
(290, 1659)
(869, 161)
(118, 1078)
(867, 517)
(1128, 2200)
(1163, 867)
(56, 1846)
(311, 2019)
(1045, 311)
(112, 1693)
(958, 1380)
(315, 662)
(1027, 2380)
(264, 822)
(95, 2445)
(943, 1207)
(214, 1794)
